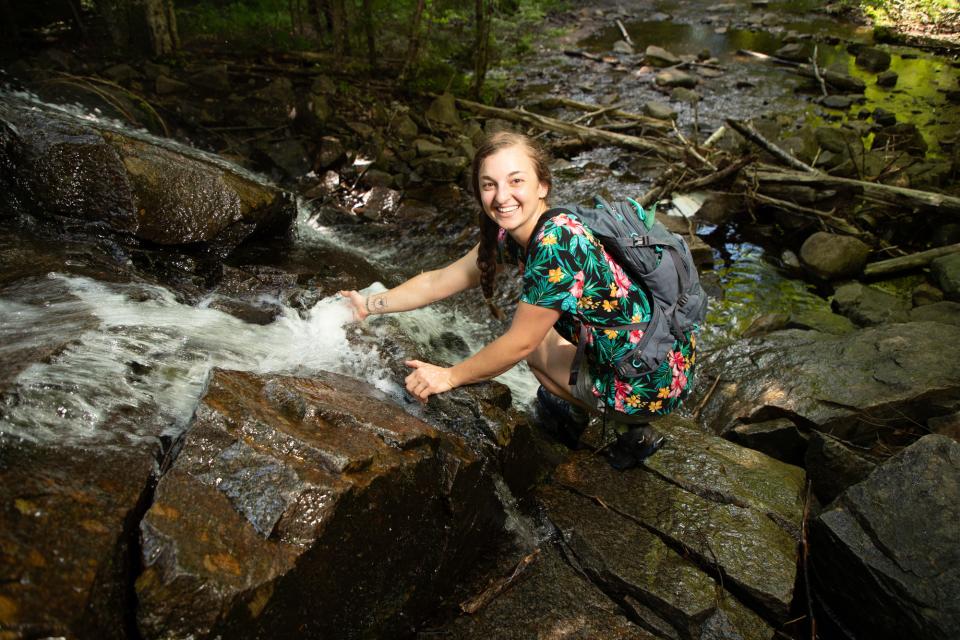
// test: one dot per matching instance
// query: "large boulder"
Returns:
(946, 271)
(308, 507)
(831, 256)
(68, 531)
(885, 562)
(867, 306)
(700, 543)
(861, 387)
(164, 194)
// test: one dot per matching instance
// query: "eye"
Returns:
(486, 186)
(517, 180)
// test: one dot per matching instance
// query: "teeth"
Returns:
(507, 209)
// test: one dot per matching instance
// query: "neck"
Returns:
(522, 234)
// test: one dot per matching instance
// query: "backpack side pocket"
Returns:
(652, 349)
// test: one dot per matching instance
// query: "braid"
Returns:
(486, 262)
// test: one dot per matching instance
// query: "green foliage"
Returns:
(901, 12)
(446, 43)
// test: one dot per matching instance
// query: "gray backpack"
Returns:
(660, 262)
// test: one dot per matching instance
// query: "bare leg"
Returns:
(550, 363)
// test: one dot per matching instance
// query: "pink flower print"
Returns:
(501, 234)
(577, 289)
(635, 336)
(619, 277)
(563, 220)
(677, 362)
(621, 389)
(677, 385)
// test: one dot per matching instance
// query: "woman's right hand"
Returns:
(357, 303)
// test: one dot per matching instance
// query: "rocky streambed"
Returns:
(193, 443)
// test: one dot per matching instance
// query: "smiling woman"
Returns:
(577, 304)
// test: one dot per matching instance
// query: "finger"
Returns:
(416, 364)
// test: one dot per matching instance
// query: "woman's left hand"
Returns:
(427, 379)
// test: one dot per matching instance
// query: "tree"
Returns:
(481, 59)
(144, 27)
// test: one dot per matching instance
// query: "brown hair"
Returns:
(486, 257)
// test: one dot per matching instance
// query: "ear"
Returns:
(543, 190)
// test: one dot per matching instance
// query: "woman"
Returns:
(568, 281)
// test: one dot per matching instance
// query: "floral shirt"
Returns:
(569, 270)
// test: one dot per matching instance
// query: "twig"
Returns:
(912, 261)
(716, 135)
(594, 114)
(499, 586)
(816, 71)
(691, 148)
(703, 403)
(720, 175)
(623, 31)
(754, 136)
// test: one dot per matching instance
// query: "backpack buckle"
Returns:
(641, 241)
(682, 300)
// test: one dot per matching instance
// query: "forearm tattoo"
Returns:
(376, 304)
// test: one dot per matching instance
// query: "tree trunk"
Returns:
(370, 32)
(9, 32)
(413, 49)
(141, 27)
(481, 47)
(338, 27)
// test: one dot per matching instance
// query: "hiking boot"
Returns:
(564, 421)
(633, 447)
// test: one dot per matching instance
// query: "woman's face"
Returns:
(511, 191)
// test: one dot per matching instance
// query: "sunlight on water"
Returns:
(155, 354)
(136, 360)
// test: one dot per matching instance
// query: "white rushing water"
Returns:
(134, 346)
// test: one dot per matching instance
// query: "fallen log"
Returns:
(888, 194)
(836, 80)
(658, 147)
(754, 136)
(906, 263)
(647, 121)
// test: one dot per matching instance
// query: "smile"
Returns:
(509, 209)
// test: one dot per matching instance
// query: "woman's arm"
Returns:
(420, 290)
(528, 329)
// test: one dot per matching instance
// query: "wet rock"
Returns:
(153, 192)
(795, 51)
(682, 94)
(443, 112)
(659, 111)
(292, 496)
(887, 79)
(427, 147)
(548, 595)
(726, 507)
(886, 563)
(165, 85)
(121, 73)
(379, 203)
(867, 306)
(442, 168)
(903, 137)
(289, 155)
(780, 439)
(884, 118)
(831, 256)
(873, 59)
(837, 140)
(946, 271)
(840, 101)
(822, 320)
(833, 466)
(319, 107)
(945, 311)
(675, 78)
(926, 293)
(622, 47)
(213, 78)
(948, 425)
(859, 387)
(67, 534)
(331, 151)
(405, 127)
(377, 178)
(765, 324)
(660, 57)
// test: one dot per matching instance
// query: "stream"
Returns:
(139, 343)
